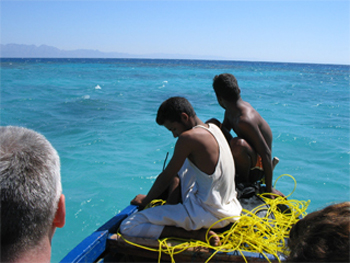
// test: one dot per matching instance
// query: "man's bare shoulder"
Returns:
(187, 137)
(249, 117)
(196, 136)
(194, 133)
(251, 120)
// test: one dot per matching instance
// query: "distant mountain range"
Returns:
(44, 51)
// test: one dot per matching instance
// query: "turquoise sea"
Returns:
(100, 116)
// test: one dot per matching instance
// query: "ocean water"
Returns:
(100, 116)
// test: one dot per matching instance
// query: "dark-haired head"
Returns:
(172, 108)
(322, 236)
(226, 87)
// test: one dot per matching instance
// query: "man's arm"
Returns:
(226, 123)
(254, 137)
(183, 148)
(224, 129)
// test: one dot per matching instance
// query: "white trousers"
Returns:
(189, 215)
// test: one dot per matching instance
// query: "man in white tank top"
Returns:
(203, 161)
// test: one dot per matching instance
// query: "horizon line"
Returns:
(164, 56)
(192, 59)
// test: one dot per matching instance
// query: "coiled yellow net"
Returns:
(250, 233)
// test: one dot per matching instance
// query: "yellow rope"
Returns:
(155, 202)
(288, 175)
(249, 233)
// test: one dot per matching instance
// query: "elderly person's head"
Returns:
(32, 204)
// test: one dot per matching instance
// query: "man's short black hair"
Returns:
(171, 110)
(226, 86)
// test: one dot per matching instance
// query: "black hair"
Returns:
(171, 110)
(226, 86)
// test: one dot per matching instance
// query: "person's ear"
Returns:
(60, 217)
(221, 102)
(184, 117)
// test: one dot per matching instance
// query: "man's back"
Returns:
(248, 120)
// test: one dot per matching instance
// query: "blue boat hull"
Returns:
(94, 246)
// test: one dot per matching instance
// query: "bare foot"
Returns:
(214, 239)
(173, 231)
(275, 161)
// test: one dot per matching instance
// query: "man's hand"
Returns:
(138, 200)
(273, 194)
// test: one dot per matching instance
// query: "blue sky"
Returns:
(288, 31)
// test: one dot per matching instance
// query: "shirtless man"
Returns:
(251, 150)
(203, 161)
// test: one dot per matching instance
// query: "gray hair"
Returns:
(30, 183)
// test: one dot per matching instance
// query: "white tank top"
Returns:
(216, 192)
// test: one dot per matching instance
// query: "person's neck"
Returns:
(40, 254)
(196, 121)
(235, 108)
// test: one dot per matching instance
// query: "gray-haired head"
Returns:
(30, 188)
